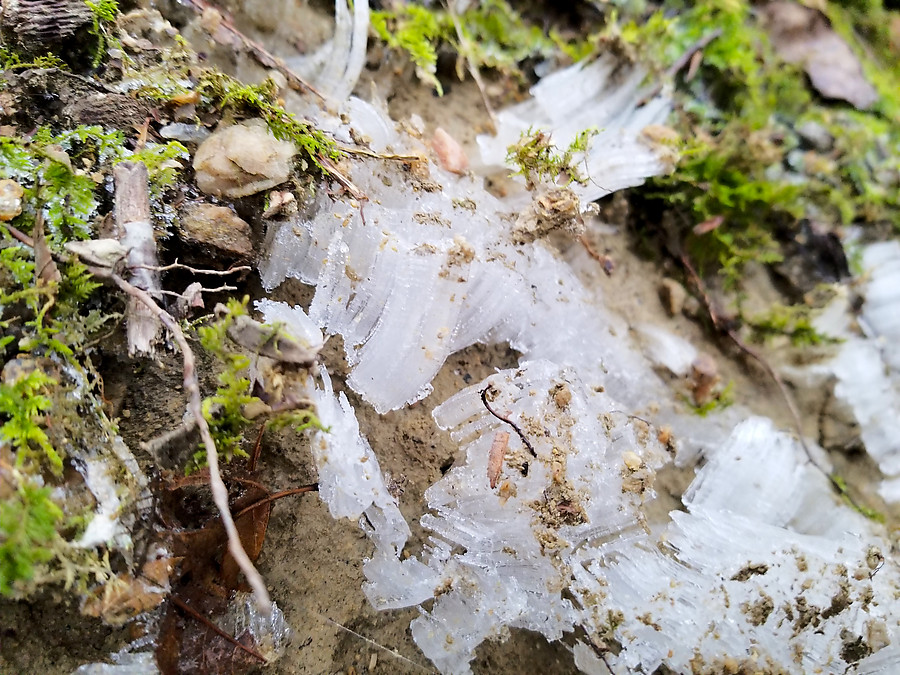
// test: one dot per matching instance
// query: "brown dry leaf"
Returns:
(803, 36)
(44, 268)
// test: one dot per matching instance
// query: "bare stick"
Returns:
(378, 155)
(195, 405)
(135, 231)
(217, 289)
(195, 270)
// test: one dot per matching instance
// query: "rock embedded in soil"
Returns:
(672, 295)
(216, 227)
(242, 160)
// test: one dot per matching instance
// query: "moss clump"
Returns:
(50, 409)
(540, 161)
(28, 520)
(762, 152)
(490, 34)
(794, 321)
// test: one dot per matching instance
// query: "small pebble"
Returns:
(242, 160)
(449, 152)
(217, 227)
(672, 296)
(10, 199)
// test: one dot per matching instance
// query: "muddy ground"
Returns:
(311, 563)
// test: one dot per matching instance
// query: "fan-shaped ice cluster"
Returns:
(765, 568)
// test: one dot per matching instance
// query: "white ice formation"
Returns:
(867, 365)
(764, 570)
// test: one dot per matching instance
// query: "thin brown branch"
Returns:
(194, 614)
(606, 263)
(508, 421)
(253, 460)
(19, 235)
(277, 495)
(345, 182)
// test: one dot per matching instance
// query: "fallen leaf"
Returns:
(44, 268)
(803, 36)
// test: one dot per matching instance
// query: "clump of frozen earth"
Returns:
(765, 569)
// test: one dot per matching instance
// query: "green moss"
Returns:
(490, 34)
(22, 405)
(105, 13)
(28, 522)
(418, 32)
(794, 321)
(224, 410)
(48, 408)
(840, 484)
(12, 60)
(746, 171)
(540, 161)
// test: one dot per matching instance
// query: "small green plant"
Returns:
(22, 405)
(840, 484)
(11, 60)
(224, 410)
(105, 13)
(718, 402)
(540, 161)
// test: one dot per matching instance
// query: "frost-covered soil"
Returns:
(613, 527)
